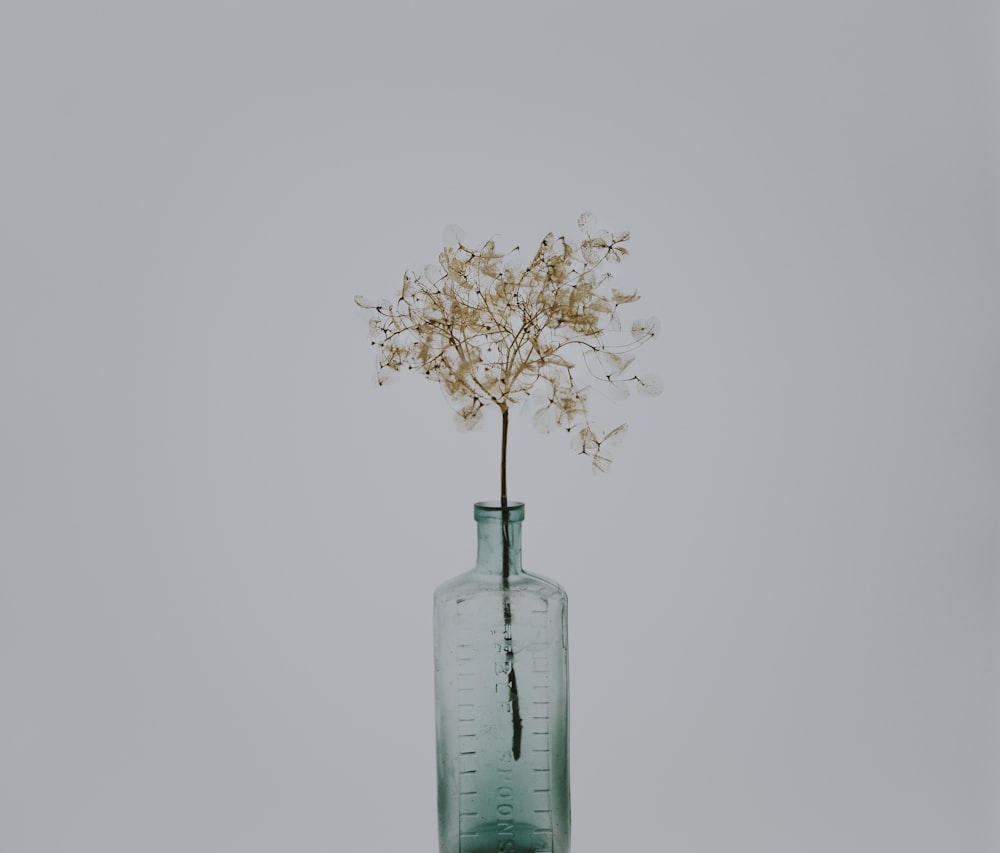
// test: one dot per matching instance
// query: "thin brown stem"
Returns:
(508, 617)
(504, 421)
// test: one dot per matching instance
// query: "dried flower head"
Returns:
(493, 332)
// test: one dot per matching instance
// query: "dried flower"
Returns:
(494, 333)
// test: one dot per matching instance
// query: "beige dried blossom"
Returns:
(495, 333)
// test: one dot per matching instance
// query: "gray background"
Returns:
(219, 538)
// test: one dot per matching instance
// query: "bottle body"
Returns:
(501, 693)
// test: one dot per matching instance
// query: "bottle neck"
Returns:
(492, 521)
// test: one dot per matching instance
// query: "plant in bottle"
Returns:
(496, 333)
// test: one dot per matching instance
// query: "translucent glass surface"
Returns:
(501, 692)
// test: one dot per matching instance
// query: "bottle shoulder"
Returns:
(473, 584)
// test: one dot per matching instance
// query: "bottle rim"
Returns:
(492, 511)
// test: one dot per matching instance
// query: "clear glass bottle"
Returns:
(501, 693)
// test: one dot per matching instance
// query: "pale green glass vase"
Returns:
(502, 700)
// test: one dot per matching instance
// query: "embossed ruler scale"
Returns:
(505, 800)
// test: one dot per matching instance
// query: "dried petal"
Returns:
(617, 391)
(469, 416)
(544, 420)
(614, 363)
(643, 329)
(650, 385)
(621, 297)
(600, 464)
(453, 235)
(616, 435)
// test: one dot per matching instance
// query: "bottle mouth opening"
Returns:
(492, 511)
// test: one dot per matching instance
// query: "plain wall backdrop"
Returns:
(219, 538)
